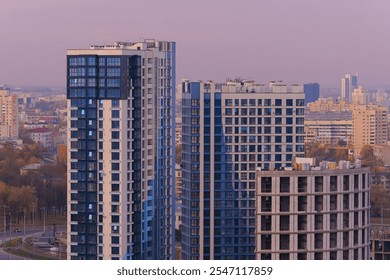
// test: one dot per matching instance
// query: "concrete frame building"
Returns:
(313, 213)
(229, 130)
(380, 242)
(9, 117)
(121, 156)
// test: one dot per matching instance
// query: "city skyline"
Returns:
(261, 41)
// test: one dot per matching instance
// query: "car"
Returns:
(17, 230)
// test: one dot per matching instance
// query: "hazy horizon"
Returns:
(299, 41)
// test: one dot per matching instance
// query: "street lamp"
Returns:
(5, 226)
(44, 219)
(33, 214)
(24, 224)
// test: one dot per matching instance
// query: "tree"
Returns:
(379, 199)
(61, 153)
(342, 143)
(369, 158)
(315, 150)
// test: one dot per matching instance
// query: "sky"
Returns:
(298, 41)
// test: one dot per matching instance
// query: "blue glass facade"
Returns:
(226, 136)
(312, 92)
(123, 188)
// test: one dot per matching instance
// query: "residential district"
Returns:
(127, 163)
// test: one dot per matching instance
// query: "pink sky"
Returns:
(297, 41)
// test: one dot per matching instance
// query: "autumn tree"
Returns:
(379, 199)
(61, 153)
(369, 158)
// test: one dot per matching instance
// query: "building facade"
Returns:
(121, 156)
(9, 118)
(329, 128)
(42, 136)
(229, 130)
(369, 126)
(313, 213)
(380, 242)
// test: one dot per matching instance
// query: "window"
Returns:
(91, 72)
(300, 121)
(115, 176)
(115, 114)
(300, 130)
(113, 72)
(77, 82)
(300, 139)
(113, 61)
(113, 83)
(115, 124)
(114, 166)
(228, 111)
(300, 111)
(115, 103)
(115, 156)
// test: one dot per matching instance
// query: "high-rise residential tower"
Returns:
(229, 130)
(121, 156)
(369, 126)
(9, 116)
(348, 83)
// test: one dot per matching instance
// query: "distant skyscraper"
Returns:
(348, 84)
(313, 213)
(121, 156)
(229, 130)
(312, 92)
(9, 117)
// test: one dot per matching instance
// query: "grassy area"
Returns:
(28, 255)
(13, 243)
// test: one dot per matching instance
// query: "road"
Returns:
(29, 232)
(7, 256)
